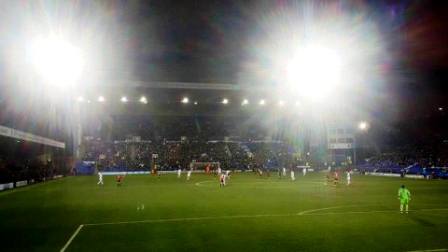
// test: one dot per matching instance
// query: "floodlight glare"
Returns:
(80, 99)
(58, 62)
(225, 101)
(195, 103)
(314, 71)
(143, 100)
(185, 100)
(101, 99)
(281, 103)
(262, 102)
(297, 103)
(245, 102)
(124, 99)
(363, 125)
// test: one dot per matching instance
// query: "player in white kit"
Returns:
(304, 171)
(189, 174)
(349, 177)
(284, 172)
(179, 172)
(227, 174)
(100, 178)
(293, 177)
(222, 180)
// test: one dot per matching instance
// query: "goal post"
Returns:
(202, 166)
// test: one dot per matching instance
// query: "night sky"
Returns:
(217, 41)
(211, 40)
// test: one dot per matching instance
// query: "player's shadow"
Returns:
(421, 221)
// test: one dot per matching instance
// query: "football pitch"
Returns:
(252, 213)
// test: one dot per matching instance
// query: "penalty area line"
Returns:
(429, 250)
(311, 212)
(190, 219)
(72, 238)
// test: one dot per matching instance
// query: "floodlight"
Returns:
(124, 99)
(314, 71)
(225, 101)
(80, 99)
(101, 98)
(245, 102)
(143, 100)
(195, 103)
(185, 100)
(281, 103)
(58, 62)
(262, 102)
(440, 109)
(363, 126)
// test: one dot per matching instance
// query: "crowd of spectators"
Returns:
(234, 142)
(19, 169)
(138, 155)
(407, 159)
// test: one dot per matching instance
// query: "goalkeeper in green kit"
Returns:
(404, 195)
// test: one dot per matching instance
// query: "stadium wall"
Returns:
(381, 174)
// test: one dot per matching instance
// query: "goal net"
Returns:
(204, 166)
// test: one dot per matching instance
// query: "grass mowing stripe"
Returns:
(201, 183)
(378, 211)
(190, 219)
(321, 209)
(303, 213)
(429, 250)
(72, 238)
(216, 217)
(28, 187)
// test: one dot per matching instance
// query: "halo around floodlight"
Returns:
(56, 61)
(185, 100)
(101, 98)
(225, 101)
(262, 102)
(143, 100)
(245, 102)
(363, 125)
(80, 99)
(124, 99)
(314, 72)
(281, 103)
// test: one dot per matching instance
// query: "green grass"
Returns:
(250, 214)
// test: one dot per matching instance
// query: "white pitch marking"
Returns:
(28, 187)
(429, 250)
(190, 219)
(303, 213)
(200, 184)
(72, 238)
(380, 211)
(320, 209)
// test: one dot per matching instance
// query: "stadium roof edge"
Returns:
(184, 85)
(21, 135)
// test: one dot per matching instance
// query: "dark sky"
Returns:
(209, 40)
(217, 41)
